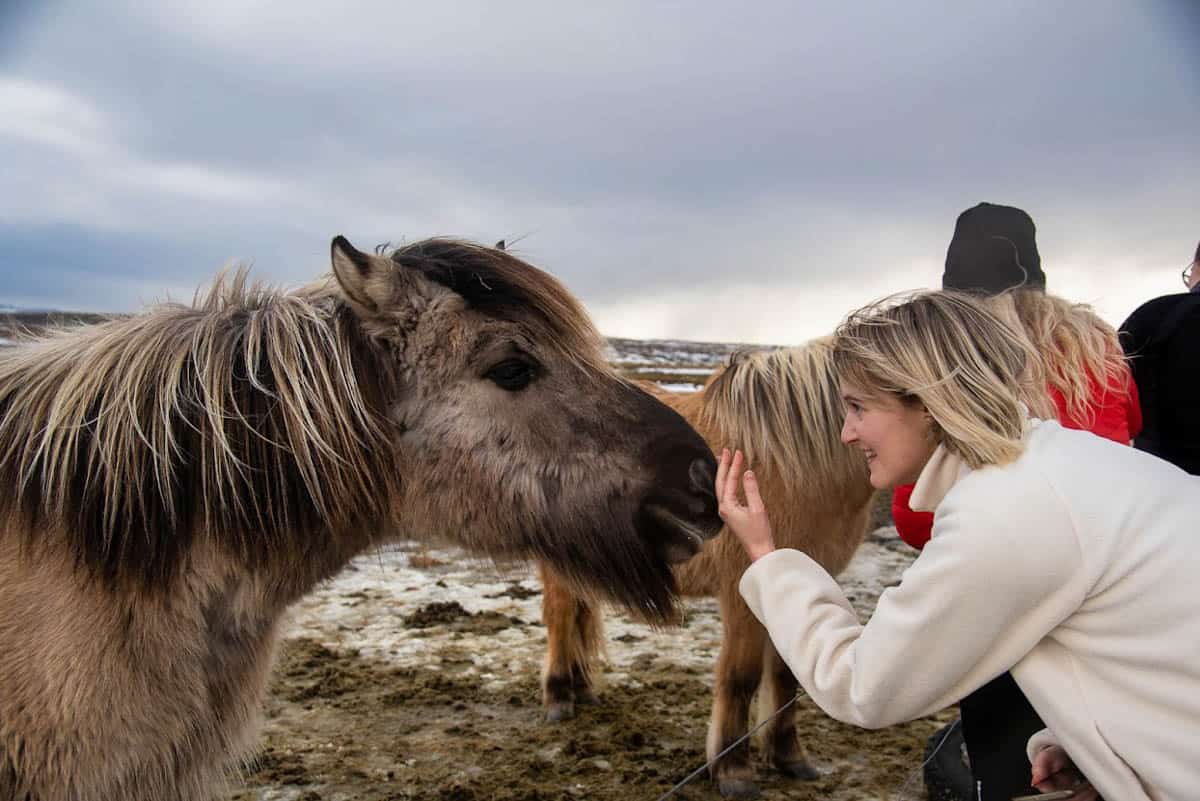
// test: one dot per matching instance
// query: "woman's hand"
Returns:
(749, 522)
(1054, 770)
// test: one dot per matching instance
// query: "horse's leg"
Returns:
(787, 754)
(589, 628)
(739, 668)
(573, 636)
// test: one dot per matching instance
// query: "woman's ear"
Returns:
(934, 432)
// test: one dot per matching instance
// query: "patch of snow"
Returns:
(363, 608)
(676, 370)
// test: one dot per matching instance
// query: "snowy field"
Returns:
(358, 611)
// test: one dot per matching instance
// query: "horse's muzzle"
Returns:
(683, 520)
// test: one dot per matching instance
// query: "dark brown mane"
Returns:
(502, 286)
(253, 417)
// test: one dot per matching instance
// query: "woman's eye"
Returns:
(512, 375)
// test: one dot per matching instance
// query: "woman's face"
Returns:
(895, 437)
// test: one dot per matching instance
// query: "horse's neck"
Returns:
(262, 590)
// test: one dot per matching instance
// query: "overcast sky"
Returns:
(713, 171)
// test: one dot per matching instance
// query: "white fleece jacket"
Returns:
(1077, 567)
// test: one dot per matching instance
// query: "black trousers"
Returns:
(997, 722)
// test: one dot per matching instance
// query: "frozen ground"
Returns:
(358, 610)
(413, 675)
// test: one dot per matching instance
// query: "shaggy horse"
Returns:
(783, 408)
(174, 480)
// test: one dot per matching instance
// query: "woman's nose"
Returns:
(848, 435)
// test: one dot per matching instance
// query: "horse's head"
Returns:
(517, 438)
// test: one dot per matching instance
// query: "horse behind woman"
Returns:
(784, 409)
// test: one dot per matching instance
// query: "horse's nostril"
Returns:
(701, 474)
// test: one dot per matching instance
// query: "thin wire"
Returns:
(900, 794)
(732, 746)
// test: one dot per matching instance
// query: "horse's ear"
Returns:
(500, 245)
(366, 280)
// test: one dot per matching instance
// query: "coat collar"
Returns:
(943, 471)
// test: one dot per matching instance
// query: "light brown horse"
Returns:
(174, 480)
(783, 408)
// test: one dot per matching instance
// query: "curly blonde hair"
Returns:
(1075, 347)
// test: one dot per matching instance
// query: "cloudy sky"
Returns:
(714, 171)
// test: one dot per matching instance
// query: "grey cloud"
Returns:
(638, 145)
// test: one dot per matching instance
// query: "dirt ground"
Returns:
(414, 676)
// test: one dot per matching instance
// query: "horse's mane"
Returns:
(253, 416)
(783, 408)
(498, 284)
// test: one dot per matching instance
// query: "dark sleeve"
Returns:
(1137, 330)
(1139, 333)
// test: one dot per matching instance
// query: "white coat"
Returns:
(1077, 567)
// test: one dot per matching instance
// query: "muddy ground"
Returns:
(413, 675)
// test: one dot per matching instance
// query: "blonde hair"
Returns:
(1073, 344)
(947, 351)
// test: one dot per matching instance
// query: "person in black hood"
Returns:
(1162, 339)
(994, 249)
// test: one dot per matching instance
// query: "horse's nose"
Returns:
(700, 472)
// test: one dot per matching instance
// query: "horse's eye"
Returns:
(511, 374)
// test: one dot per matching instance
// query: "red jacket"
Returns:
(1116, 414)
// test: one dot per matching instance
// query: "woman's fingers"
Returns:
(747, 521)
(1053, 770)
(722, 474)
(750, 487)
(1047, 762)
(728, 497)
(729, 475)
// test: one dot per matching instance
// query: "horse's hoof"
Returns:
(559, 711)
(741, 789)
(798, 770)
(586, 696)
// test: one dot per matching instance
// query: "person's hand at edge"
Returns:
(1053, 770)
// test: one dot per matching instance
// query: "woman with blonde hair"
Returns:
(1079, 376)
(1059, 556)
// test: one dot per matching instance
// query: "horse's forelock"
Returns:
(496, 283)
(252, 415)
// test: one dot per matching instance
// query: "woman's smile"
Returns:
(894, 436)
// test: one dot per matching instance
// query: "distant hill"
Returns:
(14, 320)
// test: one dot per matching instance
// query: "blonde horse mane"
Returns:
(783, 408)
(252, 416)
